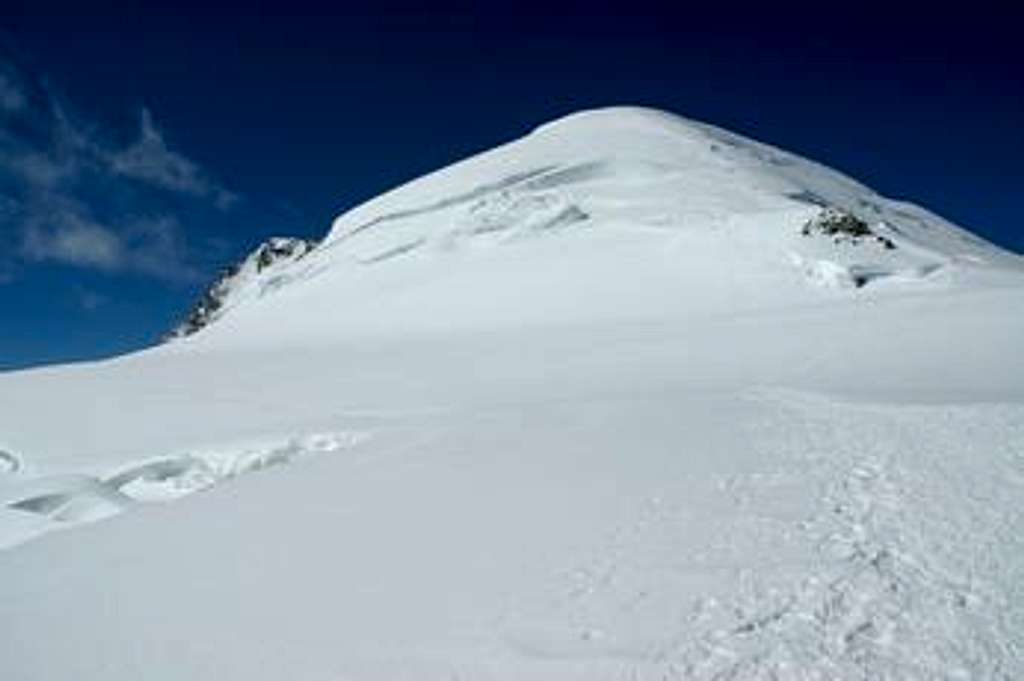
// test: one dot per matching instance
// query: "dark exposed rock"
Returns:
(274, 250)
(268, 255)
(842, 226)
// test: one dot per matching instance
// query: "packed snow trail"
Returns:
(902, 585)
(630, 398)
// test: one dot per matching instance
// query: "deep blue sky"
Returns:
(141, 149)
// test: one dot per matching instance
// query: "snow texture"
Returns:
(630, 398)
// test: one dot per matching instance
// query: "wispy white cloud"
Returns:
(151, 246)
(70, 195)
(38, 170)
(74, 241)
(150, 160)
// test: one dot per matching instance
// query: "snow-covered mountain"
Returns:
(631, 397)
(552, 214)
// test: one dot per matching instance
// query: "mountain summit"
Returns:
(620, 211)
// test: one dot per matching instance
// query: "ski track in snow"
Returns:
(879, 577)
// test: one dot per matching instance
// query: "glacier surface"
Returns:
(596, 404)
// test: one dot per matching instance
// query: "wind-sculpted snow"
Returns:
(63, 500)
(442, 204)
(9, 463)
(630, 398)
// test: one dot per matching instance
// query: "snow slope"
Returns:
(590, 405)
